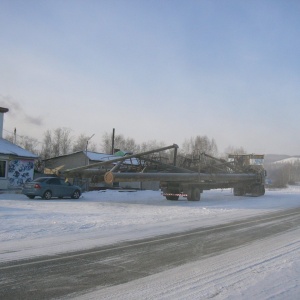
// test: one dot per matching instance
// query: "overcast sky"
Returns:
(162, 70)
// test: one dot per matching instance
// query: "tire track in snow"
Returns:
(117, 264)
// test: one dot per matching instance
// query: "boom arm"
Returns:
(103, 163)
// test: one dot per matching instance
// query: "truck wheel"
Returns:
(237, 191)
(258, 190)
(193, 194)
(197, 194)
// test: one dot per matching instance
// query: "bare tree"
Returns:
(26, 142)
(199, 144)
(30, 144)
(120, 142)
(151, 145)
(130, 145)
(283, 173)
(81, 144)
(47, 145)
(61, 141)
(235, 150)
(66, 140)
(56, 140)
(10, 137)
(56, 143)
(106, 143)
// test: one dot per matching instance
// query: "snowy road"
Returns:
(79, 272)
(259, 260)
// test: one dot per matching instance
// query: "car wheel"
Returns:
(76, 194)
(30, 197)
(47, 195)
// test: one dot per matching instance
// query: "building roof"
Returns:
(98, 156)
(94, 156)
(9, 148)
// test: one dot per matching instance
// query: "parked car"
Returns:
(48, 187)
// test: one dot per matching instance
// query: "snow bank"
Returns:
(38, 227)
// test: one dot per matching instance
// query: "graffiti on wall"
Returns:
(19, 172)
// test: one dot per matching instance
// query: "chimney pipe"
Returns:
(2, 111)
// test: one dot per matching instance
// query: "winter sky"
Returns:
(162, 70)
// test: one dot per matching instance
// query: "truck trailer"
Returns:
(243, 173)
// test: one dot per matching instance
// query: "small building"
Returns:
(93, 178)
(59, 164)
(16, 163)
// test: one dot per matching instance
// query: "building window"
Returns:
(2, 168)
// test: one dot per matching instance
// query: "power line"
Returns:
(21, 136)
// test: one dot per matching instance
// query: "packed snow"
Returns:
(265, 269)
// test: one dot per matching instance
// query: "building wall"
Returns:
(19, 172)
(63, 163)
(3, 184)
(4, 159)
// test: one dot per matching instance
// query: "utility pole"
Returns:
(15, 136)
(113, 142)
(86, 149)
(87, 161)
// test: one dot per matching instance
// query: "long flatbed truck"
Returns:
(251, 181)
(244, 173)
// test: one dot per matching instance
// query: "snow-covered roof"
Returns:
(94, 156)
(99, 156)
(9, 148)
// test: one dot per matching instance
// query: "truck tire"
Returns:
(238, 191)
(172, 194)
(258, 190)
(194, 194)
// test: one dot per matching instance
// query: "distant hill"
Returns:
(271, 158)
(290, 160)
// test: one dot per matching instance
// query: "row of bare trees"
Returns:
(61, 142)
(55, 143)
(283, 174)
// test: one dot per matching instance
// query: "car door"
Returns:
(55, 187)
(66, 188)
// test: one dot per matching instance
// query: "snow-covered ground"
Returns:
(265, 269)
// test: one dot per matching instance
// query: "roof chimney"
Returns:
(2, 111)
